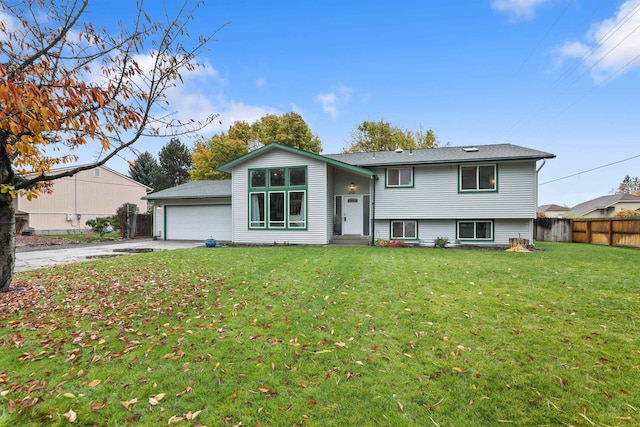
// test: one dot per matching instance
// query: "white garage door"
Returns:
(198, 222)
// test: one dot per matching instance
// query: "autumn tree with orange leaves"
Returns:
(65, 84)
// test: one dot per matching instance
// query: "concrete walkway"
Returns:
(50, 256)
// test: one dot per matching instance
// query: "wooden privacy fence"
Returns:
(136, 225)
(599, 231)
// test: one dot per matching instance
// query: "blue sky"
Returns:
(561, 76)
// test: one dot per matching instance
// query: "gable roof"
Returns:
(194, 190)
(460, 154)
(552, 208)
(275, 146)
(603, 202)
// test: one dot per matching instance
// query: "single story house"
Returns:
(606, 206)
(89, 194)
(481, 195)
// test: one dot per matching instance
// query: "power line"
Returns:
(590, 170)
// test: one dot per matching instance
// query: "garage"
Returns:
(196, 210)
(198, 222)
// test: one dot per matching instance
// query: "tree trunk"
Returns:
(7, 241)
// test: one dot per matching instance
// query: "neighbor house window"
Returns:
(404, 229)
(278, 198)
(400, 177)
(478, 178)
(475, 230)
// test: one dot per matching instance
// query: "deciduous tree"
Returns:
(629, 186)
(383, 136)
(287, 129)
(65, 84)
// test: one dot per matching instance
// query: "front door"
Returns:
(352, 215)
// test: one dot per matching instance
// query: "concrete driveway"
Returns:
(49, 256)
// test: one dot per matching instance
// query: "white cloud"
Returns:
(333, 102)
(613, 45)
(518, 9)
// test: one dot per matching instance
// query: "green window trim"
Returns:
(393, 181)
(472, 228)
(405, 228)
(478, 178)
(277, 198)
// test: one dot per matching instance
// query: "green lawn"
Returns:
(319, 336)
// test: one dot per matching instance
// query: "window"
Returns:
(297, 217)
(297, 177)
(276, 177)
(478, 178)
(97, 172)
(256, 210)
(400, 177)
(257, 178)
(404, 230)
(475, 230)
(281, 201)
(276, 210)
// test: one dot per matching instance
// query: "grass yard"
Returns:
(317, 336)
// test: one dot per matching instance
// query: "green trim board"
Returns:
(227, 167)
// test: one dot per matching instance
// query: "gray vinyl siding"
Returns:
(435, 195)
(503, 230)
(317, 227)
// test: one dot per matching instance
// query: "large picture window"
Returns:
(281, 202)
(475, 230)
(404, 229)
(400, 177)
(478, 178)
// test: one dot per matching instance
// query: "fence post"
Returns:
(610, 240)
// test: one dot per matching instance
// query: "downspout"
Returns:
(373, 209)
(533, 232)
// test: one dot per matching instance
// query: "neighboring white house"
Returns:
(606, 206)
(482, 195)
(89, 194)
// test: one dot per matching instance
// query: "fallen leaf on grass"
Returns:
(71, 416)
(97, 406)
(263, 389)
(175, 420)
(401, 406)
(154, 400)
(94, 383)
(129, 403)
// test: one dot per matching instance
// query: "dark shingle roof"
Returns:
(436, 155)
(603, 202)
(194, 190)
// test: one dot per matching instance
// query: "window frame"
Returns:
(287, 190)
(477, 188)
(475, 223)
(404, 223)
(399, 185)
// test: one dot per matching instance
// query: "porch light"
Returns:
(352, 188)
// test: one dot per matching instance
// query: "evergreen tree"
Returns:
(174, 166)
(143, 169)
